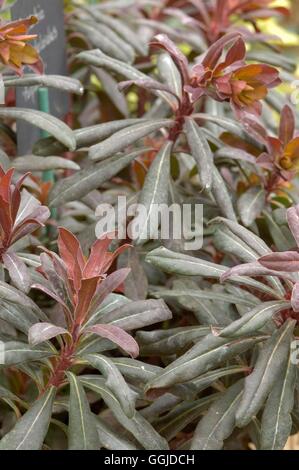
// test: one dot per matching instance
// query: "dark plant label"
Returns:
(51, 44)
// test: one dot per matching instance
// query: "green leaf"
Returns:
(85, 137)
(182, 415)
(136, 370)
(253, 241)
(154, 192)
(121, 29)
(21, 318)
(98, 59)
(125, 137)
(221, 195)
(16, 352)
(201, 152)
(12, 295)
(170, 341)
(138, 426)
(111, 440)
(207, 353)
(206, 311)
(219, 422)
(83, 182)
(102, 37)
(33, 163)
(134, 315)
(276, 421)
(110, 86)
(186, 265)
(228, 124)
(207, 379)
(202, 294)
(44, 121)
(115, 382)
(82, 428)
(60, 82)
(251, 204)
(170, 73)
(41, 332)
(226, 241)
(282, 243)
(31, 429)
(255, 319)
(271, 362)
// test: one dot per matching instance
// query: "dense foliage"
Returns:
(143, 343)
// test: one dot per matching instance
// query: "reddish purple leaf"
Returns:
(215, 51)
(250, 269)
(51, 294)
(108, 285)
(41, 332)
(293, 221)
(285, 261)
(117, 336)
(17, 270)
(295, 297)
(287, 125)
(163, 41)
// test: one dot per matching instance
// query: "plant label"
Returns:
(51, 44)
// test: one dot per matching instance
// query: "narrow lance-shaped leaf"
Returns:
(60, 82)
(31, 429)
(83, 182)
(281, 261)
(16, 352)
(110, 86)
(205, 380)
(201, 152)
(22, 318)
(154, 193)
(114, 381)
(222, 196)
(271, 362)
(122, 139)
(170, 73)
(45, 122)
(84, 137)
(226, 241)
(121, 28)
(82, 432)
(110, 439)
(98, 59)
(182, 415)
(166, 342)
(219, 421)
(18, 271)
(276, 421)
(186, 265)
(138, 426)
(204, 355)
(41, 332)
(118, 336)
(295, 297)
(201, 294)
(15, 296)
(33, 163)
(293, 221)
(255, 319)
(251, 204)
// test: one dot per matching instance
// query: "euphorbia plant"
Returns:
(191, 85)
(20, 215)
(80, 286)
